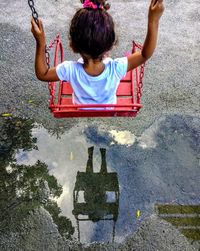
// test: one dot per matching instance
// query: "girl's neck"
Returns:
(93, 67)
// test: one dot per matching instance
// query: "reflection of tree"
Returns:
(29, 183)
(15, 134)
(64, 224)
(60, 128)
(25, 187)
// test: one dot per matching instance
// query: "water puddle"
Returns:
(100, 185)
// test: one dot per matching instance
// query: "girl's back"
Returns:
(100, 89)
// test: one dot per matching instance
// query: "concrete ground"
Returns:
(171, 83)
(163, 136)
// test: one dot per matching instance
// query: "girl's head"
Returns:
(92, 32)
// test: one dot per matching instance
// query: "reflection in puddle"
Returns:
(96, 195)
(80, 185)
(26, 187)
(185, 217)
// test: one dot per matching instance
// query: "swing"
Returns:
(61, 105)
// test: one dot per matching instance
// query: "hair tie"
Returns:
(91, 5)
(95, 5)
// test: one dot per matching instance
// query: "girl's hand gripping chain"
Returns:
(38, 32)
(43, 72)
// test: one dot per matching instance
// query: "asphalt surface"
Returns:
(171, 83)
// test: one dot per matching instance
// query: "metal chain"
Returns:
(47, 56)
(52, 87)
(140, 84)
(35, 16)
(48, 48)
(34, 12)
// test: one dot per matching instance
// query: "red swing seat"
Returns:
(128, 94)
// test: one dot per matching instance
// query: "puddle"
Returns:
(101, 185)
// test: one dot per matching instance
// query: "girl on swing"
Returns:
(95, 77)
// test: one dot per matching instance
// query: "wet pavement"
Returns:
(101, 185)
(139, 186)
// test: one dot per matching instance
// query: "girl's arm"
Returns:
(42, 71)
(156, 9)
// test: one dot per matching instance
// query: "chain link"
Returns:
(35, 16)
(140, 85)
(48, 48)
(34, 12)
(52, 87)
(141, 75)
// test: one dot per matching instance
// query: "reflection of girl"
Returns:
(89, 167)
(95, 195)
(95, 79)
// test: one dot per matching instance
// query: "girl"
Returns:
(95, 77)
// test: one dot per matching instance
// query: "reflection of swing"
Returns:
(128, 94)
(95, 188)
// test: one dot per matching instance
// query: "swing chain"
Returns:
(34, 12)
(35, 16)
(47, 56)
(48, 48)
(140, 84)
(141, 73)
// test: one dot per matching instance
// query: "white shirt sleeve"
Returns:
(63, 70)
(121, 66)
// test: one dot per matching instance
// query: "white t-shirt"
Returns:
(88, 89)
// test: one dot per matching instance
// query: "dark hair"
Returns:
(92, 32)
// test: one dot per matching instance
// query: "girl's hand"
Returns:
(38, 32)
(156, 10)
